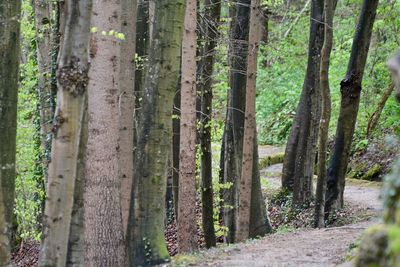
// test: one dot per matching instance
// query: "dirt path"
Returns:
(307, 247)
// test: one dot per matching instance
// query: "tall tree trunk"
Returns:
(127, 105)
(212, 15)
(64, 170)
(187, 223)
(146, 221)
(176, 128)
(244, 190)
(233, 143)
(10, 11)
(350, 88)
(298, 165)
(105, 244)
(325, 115)
(44, 43)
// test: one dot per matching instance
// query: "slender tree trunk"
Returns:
(298, 166)
(243, 217)
(44, 43)
(350, 88)
(104, 236)
(175, 147)
(325, 115)
(187, 224)
(64, 170)
(146, 221)
(10, 12)
(127, 105)
(211, 21)
(373, 121)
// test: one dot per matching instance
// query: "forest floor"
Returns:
(299, 247)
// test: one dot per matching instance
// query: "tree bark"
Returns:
(243, 217)
(325, 115)
(10, 12)
(350, 89)
(64, 170)
(212, 15)
(146, 231)
(187, 224)
(105, 243)
(127, 105)
(298, 166)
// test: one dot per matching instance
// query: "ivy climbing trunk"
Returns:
(10, 12)
(350, 89)
(65, 169)
(319, 220)
(187, 224)
(127, 105)
(146, 221)
(299, 161)
(212, 13)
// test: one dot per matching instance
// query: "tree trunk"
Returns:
(373, 121)
(105, 244)
(10, 11)
(244, 193)
(350, 88)
(212, 15)
(127, 105)
(187, 224)
(146, 221)
(64, 169)
(325, 115)
(298, 166)
(176, 122)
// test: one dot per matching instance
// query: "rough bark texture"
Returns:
(146, 237)
(350, 89)
(65, 169)
(325, 115)
(233, 136)
(127, 105)
(212, 13)
(298, 166)
(243, 216)
(104, 237)
(10, 11)
(187, 223)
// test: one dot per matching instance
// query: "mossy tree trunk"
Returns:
(10, 12)
(146, 221)
(105, 243)
(298, 165)
(350, 89)
(64, 205)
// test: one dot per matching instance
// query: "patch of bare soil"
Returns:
(26, 255)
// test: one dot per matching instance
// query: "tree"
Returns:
(105, 243)
(146, 220)
(9, 73)
(243, 217)
(326, 113)
(68, 143)
(127, 105)
(212, 13)
(234, 128)
(298, 165)
(187, 225)
(350, 89)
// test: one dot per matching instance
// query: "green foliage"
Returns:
(283, 61)
(29, 193)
